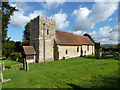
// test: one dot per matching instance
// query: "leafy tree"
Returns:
(6, 12)
(97, 45)
(9, 47)
(118, 47)
(89, 37)
(26, 34)
(18, 46)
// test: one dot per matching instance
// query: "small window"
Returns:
(30, 57)
(47, 31)
(66, 52)
(88, 48)
(43, 26)
(77, 49)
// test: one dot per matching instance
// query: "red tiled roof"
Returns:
(65, 38)
(29, 50)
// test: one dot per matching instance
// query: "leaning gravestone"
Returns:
(103, 56)
(117, 56)
(97, 55)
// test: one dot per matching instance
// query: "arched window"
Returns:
(77, 49)
(47, 31)
(66, 52)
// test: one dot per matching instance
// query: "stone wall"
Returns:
(68, 51)
(72, 51)
(89, 49)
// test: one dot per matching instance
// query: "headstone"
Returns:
(27, 67)
(3, 66)
(110, 52)
(103, 56)
(117, 56)
(97, 55)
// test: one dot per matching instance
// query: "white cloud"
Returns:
(110, 19)
(106, 35)
(77, 32)
(19, 19)
(60, 18)
(87, 19)
(52, 3)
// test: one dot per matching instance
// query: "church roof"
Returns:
(65, 38)
(29, 50)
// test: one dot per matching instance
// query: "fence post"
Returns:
(27, 67)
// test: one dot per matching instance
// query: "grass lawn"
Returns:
(77, 72)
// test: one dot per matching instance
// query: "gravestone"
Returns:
(97, 55)
(3, 66)
(110, 52)
(117, 56)
(103, 56)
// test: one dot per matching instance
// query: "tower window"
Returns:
(43, 26)
(47, 31)
(77, 49)
(66, 52)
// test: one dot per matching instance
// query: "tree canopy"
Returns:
(26, 34)
(6, 11)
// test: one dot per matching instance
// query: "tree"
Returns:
(6, 12)
(89, 37)
(97, 45)
(26, 34)
(118, 47)
(18, 46)
(9, 47)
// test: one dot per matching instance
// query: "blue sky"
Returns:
(99, 19)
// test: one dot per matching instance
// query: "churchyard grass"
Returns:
(76, 72)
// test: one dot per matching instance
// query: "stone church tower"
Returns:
(42, 35)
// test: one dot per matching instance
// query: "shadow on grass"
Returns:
(99, 82)
(107, 57)
(73, 86)
(105, 82)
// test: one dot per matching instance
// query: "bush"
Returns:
(8, 67)
(15, 56)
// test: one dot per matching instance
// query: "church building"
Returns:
(51, 44)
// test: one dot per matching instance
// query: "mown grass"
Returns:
(77, 72)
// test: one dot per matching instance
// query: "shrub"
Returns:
(8, 66)
(15, 56)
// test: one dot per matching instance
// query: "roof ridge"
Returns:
(69, 33)
(64, 31)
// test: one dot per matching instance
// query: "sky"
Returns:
(99, 19)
